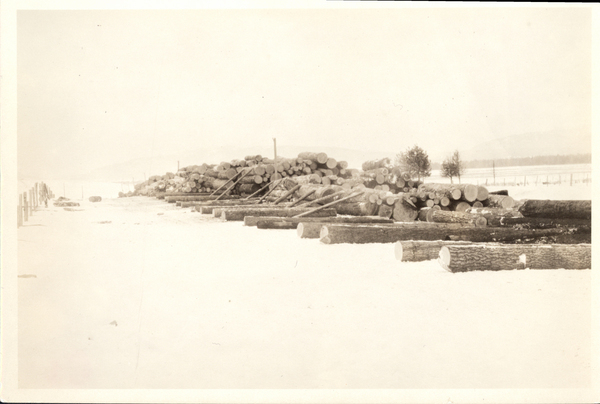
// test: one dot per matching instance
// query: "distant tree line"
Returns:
(525, 161)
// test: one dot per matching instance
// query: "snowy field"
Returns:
(136, 293)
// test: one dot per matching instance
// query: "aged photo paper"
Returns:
(130, 299)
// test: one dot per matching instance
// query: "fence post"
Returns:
(571, 179)
(559, 179)
(547, 181)
(524, 180)
(30, 203)
(37, 195)
(20, 212)
(25, 207)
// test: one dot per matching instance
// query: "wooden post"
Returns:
(20, 212)
(547, 181)
(37, 196)
(25, 207)
(559, 179)
(275, 148)
(524, 180)
(571, 179)
(494, 171)
(30, 203)
(275, 185)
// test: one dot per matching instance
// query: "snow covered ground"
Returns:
(136, 293)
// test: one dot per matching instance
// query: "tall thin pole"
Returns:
(494, 171)
(275, 148)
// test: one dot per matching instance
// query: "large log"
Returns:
(497, 258)
(499, 201)
(321, 158)
(482, 193)
(363, 233)
(453, 192)
(385, 211)
(238, 214)
(356, 208)
(226, 202)
(459, 206)
(557, 209)
(280, 225)
(403, 212)
(199, 198)
(253, 220)
(546, 223)
(420, 250)
(494, 216)
(313, 229)
(442, 216)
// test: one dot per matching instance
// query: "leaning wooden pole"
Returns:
(325, 198)
(330, 204)
(306, 195)
(225, 183)
(257, 192)
(287, 194)
(235, 183)
(497, 258)
(275, 185)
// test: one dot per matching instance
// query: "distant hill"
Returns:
(572, 141)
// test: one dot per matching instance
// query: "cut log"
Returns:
(276, 225)
(416, 250)
(403, 212)
(253, 220)
(494, 215)
(482, 193)
(498, 258)
(499, 201)
(501, 192)
(557, 209)
(239, 213)
(450, 191)
(385, 211)
(248, 189)
(199, 198)
(441, 216)
(425, 214)
(359, 234)
(320, 158)
(545, 223)
(356, 208)
(234, 202)
(459, 206)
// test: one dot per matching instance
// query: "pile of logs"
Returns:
(256, 169)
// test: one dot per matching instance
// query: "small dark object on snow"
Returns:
(95, 198)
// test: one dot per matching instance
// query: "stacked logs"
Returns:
(206, 178)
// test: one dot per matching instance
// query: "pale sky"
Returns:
(102, 87)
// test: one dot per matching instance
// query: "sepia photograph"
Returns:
(311, 201)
